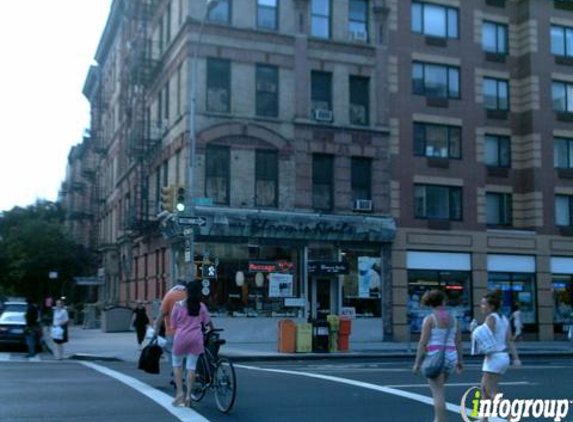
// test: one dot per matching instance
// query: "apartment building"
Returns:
(292, 174)
(481, 144)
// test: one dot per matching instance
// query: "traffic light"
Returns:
(167, 198)
(180, 201)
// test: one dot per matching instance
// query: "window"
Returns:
(267, 91)
(498, 209)
(267, 16)
(563, 153)
(358, 19)
(321, 90)
(359, 100)
(562, 41)
(562, 97)
(361, 178)
(494, 38)
(563, 210)
(320, 18)
(322, 181)
(497, 151)
(266, 178)
(437, 140)
(220, 12)
(218, 85)
(217, 172)
(434, 20)
(434, 80)
(496, 94)
(437, 202)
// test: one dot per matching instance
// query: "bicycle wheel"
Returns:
(201, 379)
(225, 384)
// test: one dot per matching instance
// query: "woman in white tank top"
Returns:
(496, 362)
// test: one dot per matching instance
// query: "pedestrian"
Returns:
(60, 319)
(174, 295)
(440, 334)
(496, 361)
(140, 322)
(188, 318)
(32, 328)
(517, 323)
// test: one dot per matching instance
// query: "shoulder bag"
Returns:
(433, 365)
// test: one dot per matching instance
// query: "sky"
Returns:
(47, 47)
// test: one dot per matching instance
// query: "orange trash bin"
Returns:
(287, 336)
(345, 329)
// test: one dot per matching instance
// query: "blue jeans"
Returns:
(31, 340)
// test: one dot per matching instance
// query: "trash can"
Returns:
(320, 336)
(345, 329)
(304, 338)
(287, 336)
(334, 326)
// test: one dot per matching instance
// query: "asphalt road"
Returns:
(325, 390)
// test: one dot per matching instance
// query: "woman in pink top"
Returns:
(187, 319)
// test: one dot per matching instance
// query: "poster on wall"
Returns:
(280, 285)
(369, 277)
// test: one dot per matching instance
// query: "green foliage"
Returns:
(33, 243)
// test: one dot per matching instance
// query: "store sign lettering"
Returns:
(328, 267)
(320, 229)
(270, 267)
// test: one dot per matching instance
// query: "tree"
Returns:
(34, 242)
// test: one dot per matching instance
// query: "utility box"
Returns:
(334, 327)
(304, 338)
(320, 336)
(287, 336)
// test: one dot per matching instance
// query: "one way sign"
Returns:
(192, 221)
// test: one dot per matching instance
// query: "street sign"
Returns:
(192, 221)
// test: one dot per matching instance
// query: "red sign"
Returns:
(270, 267)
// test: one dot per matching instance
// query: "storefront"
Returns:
(450, 272)
(562, 286)
(514, 277)
(268, 264)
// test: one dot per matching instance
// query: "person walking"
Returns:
(174, 295)
(32, 328)
(188, 318)
(140, 322)
(496, 361)
(517, 323)
(439, 331)
(60, 319)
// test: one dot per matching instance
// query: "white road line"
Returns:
(458, 384)
(183, 414)
(383, 389)
(4, 357)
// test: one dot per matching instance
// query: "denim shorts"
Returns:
(191, 363)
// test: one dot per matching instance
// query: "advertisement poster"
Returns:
(280, 285)
(368, 276)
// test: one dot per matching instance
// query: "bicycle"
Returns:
(215, 373)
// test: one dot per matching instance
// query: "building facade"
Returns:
(292, 167)
(481, 158)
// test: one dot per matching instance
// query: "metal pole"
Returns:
(190, 260)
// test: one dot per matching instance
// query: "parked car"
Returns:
(13, 323)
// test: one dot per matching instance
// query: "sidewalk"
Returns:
(94, 344)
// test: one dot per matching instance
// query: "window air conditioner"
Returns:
(323, 115)
(364, 205)
(359, 36)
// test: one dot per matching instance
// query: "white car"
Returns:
(13, 323)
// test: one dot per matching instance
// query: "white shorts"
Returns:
(191, 362)
(496, 363)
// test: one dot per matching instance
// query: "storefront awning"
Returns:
(230, 222)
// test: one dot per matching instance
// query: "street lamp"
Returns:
(190, 242)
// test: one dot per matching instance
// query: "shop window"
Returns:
(361, 178)
(562, 300)
(497, 151)
(266, 178)
(322, 181)
(217, 163)
(437, 202)
(359, 100)
(456, 286)
(516, 289)
(434, 20)
(432, 140)
(434, 80)
(220, 12)
(267, 91)
(218, 85)
(362, 285)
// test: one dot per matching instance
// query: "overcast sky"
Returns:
(47, 47)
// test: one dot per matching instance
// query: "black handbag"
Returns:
(149, 358)
(433, 365)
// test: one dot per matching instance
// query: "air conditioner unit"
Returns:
(358, 36)
(323, 115)
(364, 205)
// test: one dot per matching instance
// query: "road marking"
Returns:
(4, 357)
(383, 389)
(184, 414)
(458, 384)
